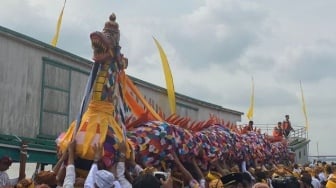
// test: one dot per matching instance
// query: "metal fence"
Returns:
(299, 131)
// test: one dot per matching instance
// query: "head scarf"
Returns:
(104, 179)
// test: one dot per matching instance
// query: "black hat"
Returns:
(232, 179)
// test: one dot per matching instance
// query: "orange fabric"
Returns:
(136, 109)
(276, 133)
(140, 119)
(277, 136)
(286, 125)
(244, 130)
(133, 88)
(179, 121)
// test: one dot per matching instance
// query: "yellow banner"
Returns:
(58, 27)
(251, 109)
(304, 107)
(168, 77)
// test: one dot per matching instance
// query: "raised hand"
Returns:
(98, 151)
(72, 146)
(131, 160)
(122, 147)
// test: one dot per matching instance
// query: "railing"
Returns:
(327, 158)
(299, 131)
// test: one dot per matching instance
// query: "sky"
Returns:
(214, 48)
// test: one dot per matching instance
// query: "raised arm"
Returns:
(90, 179)
(131, 162)
(70, 176)
(199, 172)
(219, 167)
(23, 161)
(60, 162)
(120, 171)
(180, 166)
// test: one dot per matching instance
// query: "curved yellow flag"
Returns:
(251, 109)
(304, 107)
(58, 27)
(168, 77)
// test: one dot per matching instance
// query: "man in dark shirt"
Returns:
(287, 127)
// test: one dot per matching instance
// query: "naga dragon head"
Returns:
(105, 43)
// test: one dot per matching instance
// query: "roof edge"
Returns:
(27, 39)
(184, 97)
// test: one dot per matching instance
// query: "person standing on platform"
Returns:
(287, 126)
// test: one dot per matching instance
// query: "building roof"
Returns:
(39, 44)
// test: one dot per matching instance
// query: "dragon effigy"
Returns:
(154, 142)
(102, 119)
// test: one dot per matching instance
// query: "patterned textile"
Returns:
(153, 141)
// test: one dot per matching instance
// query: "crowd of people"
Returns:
(131, 172)
(126, 173)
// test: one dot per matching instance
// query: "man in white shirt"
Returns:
(315, 182)
(100, 178)
(70, 176)
(322, 177)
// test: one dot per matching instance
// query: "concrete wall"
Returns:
(41, 88)
(301, 154)
(185, 106)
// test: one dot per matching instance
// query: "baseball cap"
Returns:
(232, 179)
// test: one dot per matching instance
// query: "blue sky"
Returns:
(214, 48)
